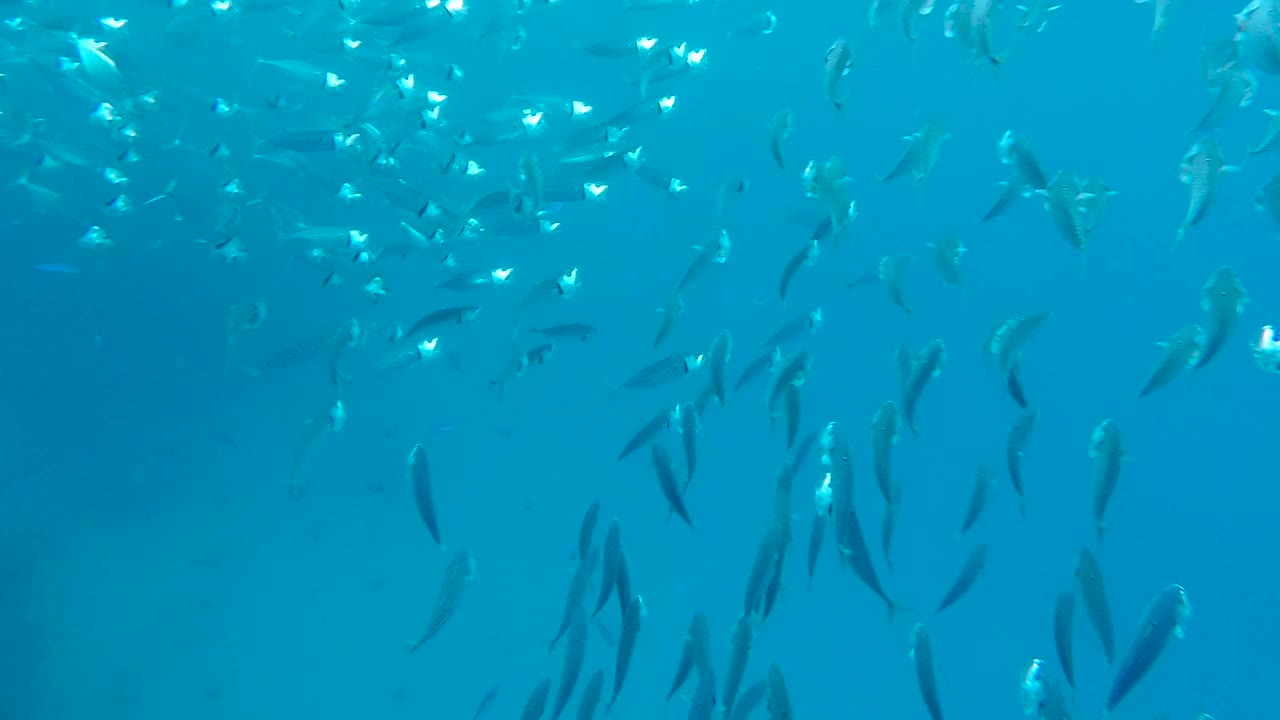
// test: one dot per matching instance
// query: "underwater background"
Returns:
(152, 563)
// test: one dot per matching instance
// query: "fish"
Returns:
(761, 24)
(744, 634)
(822, 509)
(839, 61)
(1041, 696)
(588, 528)
(1266, 350)
(1162, 8)
(622, 583)
(1093, 591)
(486, 700)
(672, 367)
(581, 331)
(1035, 14)
(1166, 617)
(1062, 200)
(969, 574)
(667, 482)
(647, 432)
(1268, 142)
(921, 155)
(1267, 199)
(420, 480)
(892, 273)
(779, 129)
(314, 431)
(671, 312)
(811, 321)
(849, 536)
(1181, 351)
(1064, 610)
(886, 427)
(590, 698)
(778, 700)
(829, 184)
(574, 654)
(445, 316)
(977, 500)
(1201, 169)
(458, 575)
(695, 653)
(577, 589)
(911, 11)
(922, 655)
(688, 429)
(947, 254)
(1224, 298)
(717, 359)
(766, 559)
(1107, 451)
(807, 256)
(1019, 435)
(926, 366)
(709, 254)
(702, 706)
(536, 704)
(610, 564)
(748, 700)
(1234, 89)
(632, 619)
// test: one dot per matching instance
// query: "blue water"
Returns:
(152, 564)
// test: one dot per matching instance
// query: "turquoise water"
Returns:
(155, 563)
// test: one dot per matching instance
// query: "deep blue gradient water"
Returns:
(152, 564)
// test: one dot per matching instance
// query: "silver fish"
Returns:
(947, 254)
(1233, 90)
(805, 257)
(671, 312)
(536, 704)
(588, 528)
(779, 130)
(1107, 451)
(718, 357)
(778, 701)
(839, 60)
(1179, 353)
(744, 634)
(420, 480)
(927, 365)
(612, 557)
(695, 653)
(1201, 169)
(1223, 297)
(1268, 142)
(1019, 436)
(977, 500)
(574, 653)
(1064, 610)
(921, 155)
(712, 253)
(969, 574)
(590, 698)
(631, 622)
(667, 482)
(922, 655)
(1093, 591)
(886, 428)
(1062, 200)
(577, 589)
(1166, 617)
(672, 367)
(457, 576)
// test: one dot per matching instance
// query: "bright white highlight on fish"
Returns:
(1267, 350)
